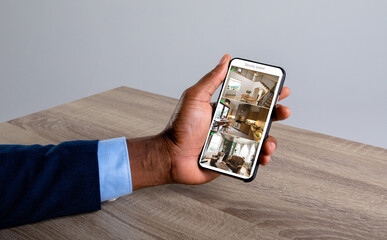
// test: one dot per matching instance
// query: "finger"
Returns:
(281, 113)
(264, 159)
(268, 148)
(285, 92)
(211, 81)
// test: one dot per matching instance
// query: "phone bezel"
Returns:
(281, 79)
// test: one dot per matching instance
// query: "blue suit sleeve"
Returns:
(40, 182)
(114, 169)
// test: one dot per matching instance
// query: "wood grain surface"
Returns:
(316, 187)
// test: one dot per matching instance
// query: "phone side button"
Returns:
(267, 130)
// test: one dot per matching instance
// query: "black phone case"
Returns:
(252, 177)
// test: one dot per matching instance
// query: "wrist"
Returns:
(150, 163)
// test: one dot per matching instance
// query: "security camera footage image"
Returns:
(239, 121)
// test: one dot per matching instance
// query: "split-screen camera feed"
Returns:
(239, 120)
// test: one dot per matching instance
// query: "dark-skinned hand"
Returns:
(172, 156)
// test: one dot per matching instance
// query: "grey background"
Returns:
(335, 54)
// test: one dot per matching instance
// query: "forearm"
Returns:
(149, 161)
(42, 182)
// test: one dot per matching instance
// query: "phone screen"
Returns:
(241, 118)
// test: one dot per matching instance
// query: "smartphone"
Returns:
(242, 118)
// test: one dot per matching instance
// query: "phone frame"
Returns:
(277, 92)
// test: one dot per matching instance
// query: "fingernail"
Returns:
(272, 146)
(222, 60)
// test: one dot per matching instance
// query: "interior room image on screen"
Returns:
(239, 121)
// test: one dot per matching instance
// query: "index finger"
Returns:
(285, 92)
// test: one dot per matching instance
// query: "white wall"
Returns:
(52, 52)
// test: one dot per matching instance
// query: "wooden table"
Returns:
(316, 186)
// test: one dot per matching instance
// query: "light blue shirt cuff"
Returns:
(114, 169)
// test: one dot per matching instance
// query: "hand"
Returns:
(172, 155)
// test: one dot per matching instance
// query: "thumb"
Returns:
(211, 81)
